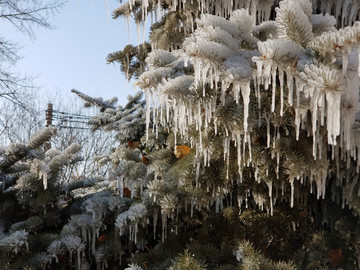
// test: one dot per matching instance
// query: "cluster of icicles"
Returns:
(328, 93)
(346, 11)
(332, 97)
(260, 9)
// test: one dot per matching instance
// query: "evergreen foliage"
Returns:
(258, 92)
(243, 155)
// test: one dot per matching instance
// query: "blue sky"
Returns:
(73, 54)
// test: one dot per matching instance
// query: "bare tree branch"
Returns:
(24, 16)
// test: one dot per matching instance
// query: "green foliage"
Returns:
(217, 171)
(186, 261)
(253, 259)
(131, 59)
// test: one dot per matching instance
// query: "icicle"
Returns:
(78, 252)
(333, 116)
(245, 92)
(163, 226)
(200, 126)
(236, 89)
(223, 91)
(268, 131)
(270, 187)
(127, 20)
(277, 164)
(197, 174)
(290, 85)
(238, 145)
(249, 146)
(93, 241)
(359, 60)
(292, 191)
(155, 219)
(273, 73)
(148, 110)
(226, 145)
(345, 61)
(154, 117)
(138, 32)
(259, 66)
(217, 204)
(258, 95)
(191, 209)
(318, 181)
(239, 200)
(314, 111)
(281, 78)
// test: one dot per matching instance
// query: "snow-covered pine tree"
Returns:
(49, 222)
(244, 156)
(265, 94)
(32, 199)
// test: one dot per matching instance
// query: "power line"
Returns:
(70, 115)
(73, 120)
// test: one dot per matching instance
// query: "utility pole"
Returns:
(49, 116)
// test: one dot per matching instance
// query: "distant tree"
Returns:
(24, 16)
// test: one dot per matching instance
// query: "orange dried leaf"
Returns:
(181, 151)
(102, 238)
(145, 160)
(336, 257)
(133, 144)
(126, 192)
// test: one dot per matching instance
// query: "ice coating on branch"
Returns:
(216, 34)
(329, 43)
(319, 174)
(152, 78)
(322, 23)
(15, 241)
(238, 68)
(350, 102)
(244, 21)
(270, 187)
(168, 205)
(276, 54)
(56, 248)
(155, 187)
(210, 91)
(279, 52)
(293, 22)
(133, 267)
(266, 30)
(73, 243)
(208, 49)
(131, 218)
(329, 83)
(41, 168)
(346, 11)
(207, 20)
(159, 58)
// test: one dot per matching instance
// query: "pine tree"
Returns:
(32, 198)
(243, 155)
(251, 133)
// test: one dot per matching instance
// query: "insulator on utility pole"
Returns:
(49, 116)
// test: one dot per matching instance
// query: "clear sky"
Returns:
(73, 54)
